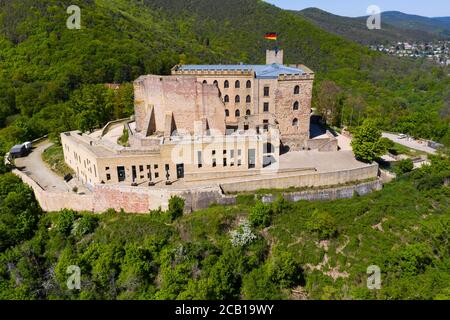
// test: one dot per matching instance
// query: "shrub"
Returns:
(280, 205)
(261, 215)
(323, 224)
(283, 269)
(176, 207)
(404, 166)
(84, 225)
(65, 221)
(242, 235)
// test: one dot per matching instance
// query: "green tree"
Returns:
(322, 223)
(65, 221)
(176, 207)
(261, 215)
(368, 144)
(404, 166)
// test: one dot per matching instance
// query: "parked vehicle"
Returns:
(28, 145)
(402, 136)
(18, 151)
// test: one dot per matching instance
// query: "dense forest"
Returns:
(52, 78)
(304, 250)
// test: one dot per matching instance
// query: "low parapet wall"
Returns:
(305, 180)
(144, 199)
(55, 201)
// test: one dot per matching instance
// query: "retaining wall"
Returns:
(141, 200)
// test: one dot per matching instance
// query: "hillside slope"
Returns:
(48, 73)
(437, 26)
(356, 28)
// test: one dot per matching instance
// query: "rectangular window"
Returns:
(142, 177)
(141, 168)
(224, 151)
(213, 152)
(214, 163)
(232, 153)
(239, 152)
(156, 166)
(251, 158)
(224, 162)
(266, 91)
(134, 174)
(107, 168)
(108, 177)
(266, 107)
(239, 162)
(199, 159)
(156, 175)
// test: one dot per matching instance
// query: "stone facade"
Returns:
(257, 96)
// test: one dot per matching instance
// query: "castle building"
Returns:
(258, 95)
(201, 123)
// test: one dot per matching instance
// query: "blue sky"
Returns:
(354, 8)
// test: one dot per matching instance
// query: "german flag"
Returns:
(271, 36)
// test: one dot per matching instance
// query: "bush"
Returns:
(261, 215)
(243, 235)
(404, 166)
(280, 205)
(65, 221)
(84, 225)
(284, 270)
(176, 207)
(323, 224)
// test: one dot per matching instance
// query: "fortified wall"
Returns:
(141, 200)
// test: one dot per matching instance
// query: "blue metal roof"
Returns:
(269, 71)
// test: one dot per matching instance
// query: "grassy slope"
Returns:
(403, 229)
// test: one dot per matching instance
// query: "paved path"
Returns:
(34, 166)
(409, 142)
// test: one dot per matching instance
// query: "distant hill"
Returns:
(405, 28)
(437, 26)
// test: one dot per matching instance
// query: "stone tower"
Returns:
(274, 56)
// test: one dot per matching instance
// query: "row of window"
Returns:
(248, 85)
(237, 113)
(237, 99)
(226, 84)
(225, 159)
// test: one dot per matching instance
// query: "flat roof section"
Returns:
(269, 71)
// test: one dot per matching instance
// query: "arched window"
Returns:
(227, 113)
(226, 84)
(248, 99)
(295, 122)
(249, 84)
(248, 112)
(237, 113)
(216, 83)
(205, 82)
(297, 90)
(237, 99)
(237, 84)
(296, 105)
(226, 98)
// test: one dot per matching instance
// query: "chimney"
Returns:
(274, 56)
